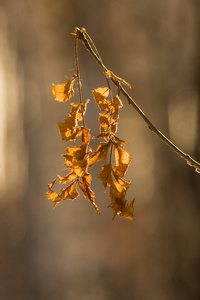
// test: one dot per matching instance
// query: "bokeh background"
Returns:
(72, 253)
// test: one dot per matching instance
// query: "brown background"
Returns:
(72, 253)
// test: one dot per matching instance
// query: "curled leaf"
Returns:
(63, 92)
(100, 153)
(82, 110)
(105, 175)
(87, 192)
(122, 160)
(68, 128)
(104, 120)
(69, 193)
(76, 159)
(99, 95)
(116, 78)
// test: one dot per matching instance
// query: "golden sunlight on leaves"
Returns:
(100, 153)
(122, 160)
(99, 95)
(69, 193)
(79, 158)
(105, 175)
(63, 92)
(88, 193)
(116, 78)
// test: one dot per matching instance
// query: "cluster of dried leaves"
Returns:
(79, 158)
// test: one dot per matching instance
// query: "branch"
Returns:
(83, 36)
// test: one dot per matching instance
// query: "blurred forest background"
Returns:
(72, 253)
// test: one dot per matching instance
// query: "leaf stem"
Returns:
(86, 40)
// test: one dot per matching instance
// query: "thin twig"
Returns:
(78, 76)
(80, 34)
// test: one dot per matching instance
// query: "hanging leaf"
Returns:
(76, 159)
(63, 92)
(69, 193)
(105, 175)
(82, 110)
(68, 128)
(87, 192)
(116, 78)
(68, 178)
(104, 120)
(99, 95)
(100, 153)
(122, 160)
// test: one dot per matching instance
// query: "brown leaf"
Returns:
(122, 160)
(86, 135)
(116, 78)
(69, 193)
(76, 159)
(127, 212)
(105, 175)
(114, 106)
(119, 141)
(113, 128)
(104, 120)
(87, 192)
(67, 178)
(121, 181)
(99, 95)
(68, 129)
(63, 92)
(118, 202)
(103, 135)
(100, 153)
(82, 110)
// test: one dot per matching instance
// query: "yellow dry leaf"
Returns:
(99, 95)
(114, 106)
(63, 92)
(104, 120)
(68, 128)
(121, 181)
(118, 202)
(69, 193)
(105, 175)
(113, 127)
(67, 178)
(103, 135)
(127, 212)
(86, 135)
(119, 141)
(87, 192)
(82, 110)
(100, 153)
(122, 160)
(76, 159)
(116, 78)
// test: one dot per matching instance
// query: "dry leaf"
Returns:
(100, 153)
(87, 192)
(63, 92)
(68, 128)
(105, 175)
(69, 193)
(76, 159)
(127, 212)
(99, 95)
(86, 135)
(122, 160)
(68, 178)
(82, 110)
(116, 78)
(104, 120)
